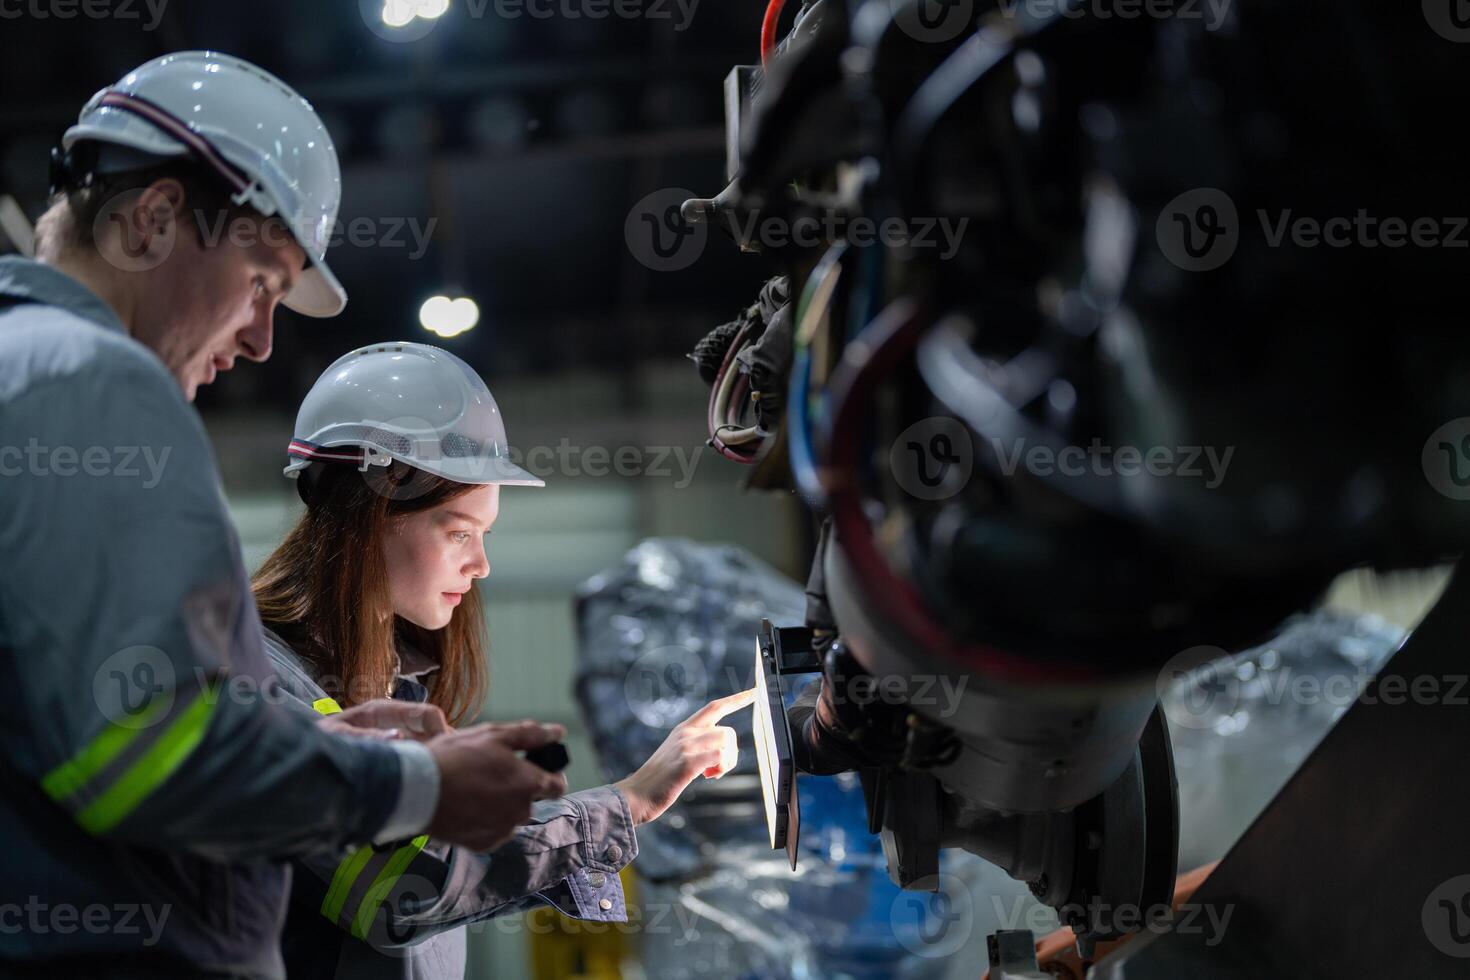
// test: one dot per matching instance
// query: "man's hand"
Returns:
(388, 719)
(485, 789)
(696, 746)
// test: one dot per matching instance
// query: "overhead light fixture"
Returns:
(398, 13)
(447, 317)
(401, 13)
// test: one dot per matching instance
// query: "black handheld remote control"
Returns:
(552, 758)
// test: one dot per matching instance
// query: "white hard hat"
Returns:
(254, 130)
(409, 402)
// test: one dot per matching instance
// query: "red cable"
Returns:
(729, 452)
(768, 31)
(891, 336)
(737, 399)
(714, 391)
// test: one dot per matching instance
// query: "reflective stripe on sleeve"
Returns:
(383, 884)
(388, 865)
(342, 881)
(156, 753)
(353, 906)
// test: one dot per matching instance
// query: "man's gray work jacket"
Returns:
(148, 789)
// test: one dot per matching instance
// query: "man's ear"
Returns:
(137, 231)
(159, 208)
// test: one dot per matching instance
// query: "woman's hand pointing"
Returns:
(698, 745)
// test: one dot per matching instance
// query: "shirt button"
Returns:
(614, 852)
(605, 904)
(596, 879)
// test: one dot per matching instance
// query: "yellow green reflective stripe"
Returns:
(63, 781)
(151, 769)
(342, 880)
(326, 706)
(383, 883)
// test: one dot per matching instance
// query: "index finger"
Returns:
(421, 719)
(721, 707)
(556, 728)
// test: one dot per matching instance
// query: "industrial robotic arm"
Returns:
(1071, 413)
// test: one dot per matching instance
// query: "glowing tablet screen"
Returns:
(765, 744)
(773, 755)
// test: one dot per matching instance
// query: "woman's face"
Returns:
(433, 556)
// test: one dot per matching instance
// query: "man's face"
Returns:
(213, 298)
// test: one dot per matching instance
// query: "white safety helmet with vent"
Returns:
(410, 402)
(252, 129)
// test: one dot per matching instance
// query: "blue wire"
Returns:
(867, 302)
(803, 465)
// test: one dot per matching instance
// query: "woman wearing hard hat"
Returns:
(400, 453)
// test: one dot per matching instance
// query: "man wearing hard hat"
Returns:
(152, 775)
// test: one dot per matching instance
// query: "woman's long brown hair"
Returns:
(325, 589)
